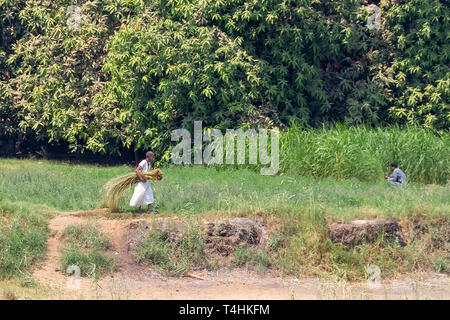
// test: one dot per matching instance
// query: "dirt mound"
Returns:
(361, 231)
(440, 227)
(226, 235)
(221, 236)
(137, 230)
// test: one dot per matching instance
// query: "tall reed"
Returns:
(365, 153)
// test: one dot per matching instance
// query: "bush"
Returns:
(134, 70)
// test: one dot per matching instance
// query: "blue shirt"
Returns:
(398, 177)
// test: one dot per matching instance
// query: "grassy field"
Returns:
(300, 208)
(195, 190)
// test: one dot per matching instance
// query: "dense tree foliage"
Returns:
(419, 32)
(132, 70)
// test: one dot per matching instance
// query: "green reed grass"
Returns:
(365, 153)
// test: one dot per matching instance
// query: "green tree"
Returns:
(136, 69)
(418, 35)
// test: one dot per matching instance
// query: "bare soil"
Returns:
(133, 281)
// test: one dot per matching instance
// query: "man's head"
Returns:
(149, 156)
(393, 166)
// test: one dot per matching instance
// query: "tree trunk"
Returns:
(136, 158)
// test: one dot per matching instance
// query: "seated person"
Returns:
(398, 177)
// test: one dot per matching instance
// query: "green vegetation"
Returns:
(418, 72)
(441, 264)
(171, 255)
(298, 207)
(246, 256)
(348, 101)
(365, 153)
(23, 239)
(85, 247)
(197, 189)
(86, 236)
(309, 251)
(136, 69)
(58, 185)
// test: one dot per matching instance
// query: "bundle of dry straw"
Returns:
(114, 188)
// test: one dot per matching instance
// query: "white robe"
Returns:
(143, 193)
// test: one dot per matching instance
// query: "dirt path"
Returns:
(132, 281)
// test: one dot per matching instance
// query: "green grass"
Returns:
(86, 236)
(23, 240)
(301, 205)
(307, 249)
(365, 153)
(194, 190)
(441, 263)
(257, 258)
(172, 257)
(58, 185)
(85, 247)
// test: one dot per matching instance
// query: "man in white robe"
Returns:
(143, 194)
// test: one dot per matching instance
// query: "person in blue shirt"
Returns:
(398, 177)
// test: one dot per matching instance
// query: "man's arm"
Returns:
(395, 176)
(138, 172)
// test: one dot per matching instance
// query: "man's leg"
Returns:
(149, 210)
(140, 210)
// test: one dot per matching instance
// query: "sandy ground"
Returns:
(132, 281)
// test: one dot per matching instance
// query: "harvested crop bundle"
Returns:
(114, 188)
